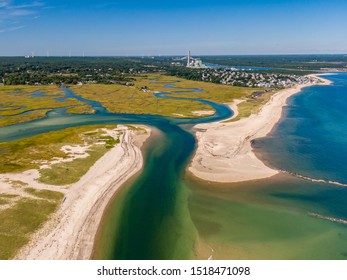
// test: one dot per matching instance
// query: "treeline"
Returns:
(63, 70)
(293, 62)
(194, 74)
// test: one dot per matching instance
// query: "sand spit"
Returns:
(224, 152)
(71, 231)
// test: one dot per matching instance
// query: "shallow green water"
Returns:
(268, 219)
(151, 216)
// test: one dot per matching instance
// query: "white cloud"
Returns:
(22, 12)
(4, 4)
(14, 28)
(18, 11)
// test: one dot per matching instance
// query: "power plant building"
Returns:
(194, 62)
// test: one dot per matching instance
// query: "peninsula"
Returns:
(224, 153)
(70, 232)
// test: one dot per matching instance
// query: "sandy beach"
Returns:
(224, 153)
(70, 233)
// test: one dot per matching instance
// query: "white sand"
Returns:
(71, 232)
(203, 112)
(224, 152)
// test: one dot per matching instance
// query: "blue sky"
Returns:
(136, 27)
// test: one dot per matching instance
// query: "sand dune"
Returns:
(71, 231)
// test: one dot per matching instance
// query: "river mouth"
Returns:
(151, 219)
(165, 213)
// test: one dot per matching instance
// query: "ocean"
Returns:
(285, 217)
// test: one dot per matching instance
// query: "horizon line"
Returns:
(168, 55)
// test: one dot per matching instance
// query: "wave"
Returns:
(332, 219)
(328, 74)
(313, 179)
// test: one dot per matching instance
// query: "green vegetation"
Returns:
(18, 184)
(110, 142)
(30, 116)
(254, 98)
(75, 70)
(296, 63)
(3, 201)
(21, 217)
(81, 109)
(45, 194)
(252, 105)
(132, 100)
(21, 220)
(60, 70)
(19, 103)
(213, 92)
(27, 153)
(70, 172)
(137, 99)
(140, 99)
(136, 128)
(5, 195)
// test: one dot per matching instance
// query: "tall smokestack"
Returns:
(188, 60)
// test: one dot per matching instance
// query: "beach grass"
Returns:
(21, 220)
(252, 105)
(5, 195)
(20, 216)
(70, 172)
(137, 128)
(27, 153)
(3, 201)
(45, 194)
(18, 184)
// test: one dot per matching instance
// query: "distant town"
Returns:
(253, 79)
(235, 77)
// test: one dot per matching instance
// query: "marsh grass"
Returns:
(132, 100)
(16, 100)
(81, 109)
(223, 94)
(37, 114)
(211, 91)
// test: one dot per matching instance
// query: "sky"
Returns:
(135, 27)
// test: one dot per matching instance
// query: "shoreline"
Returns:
(70, 233)
(224, 153)
(98, 236)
